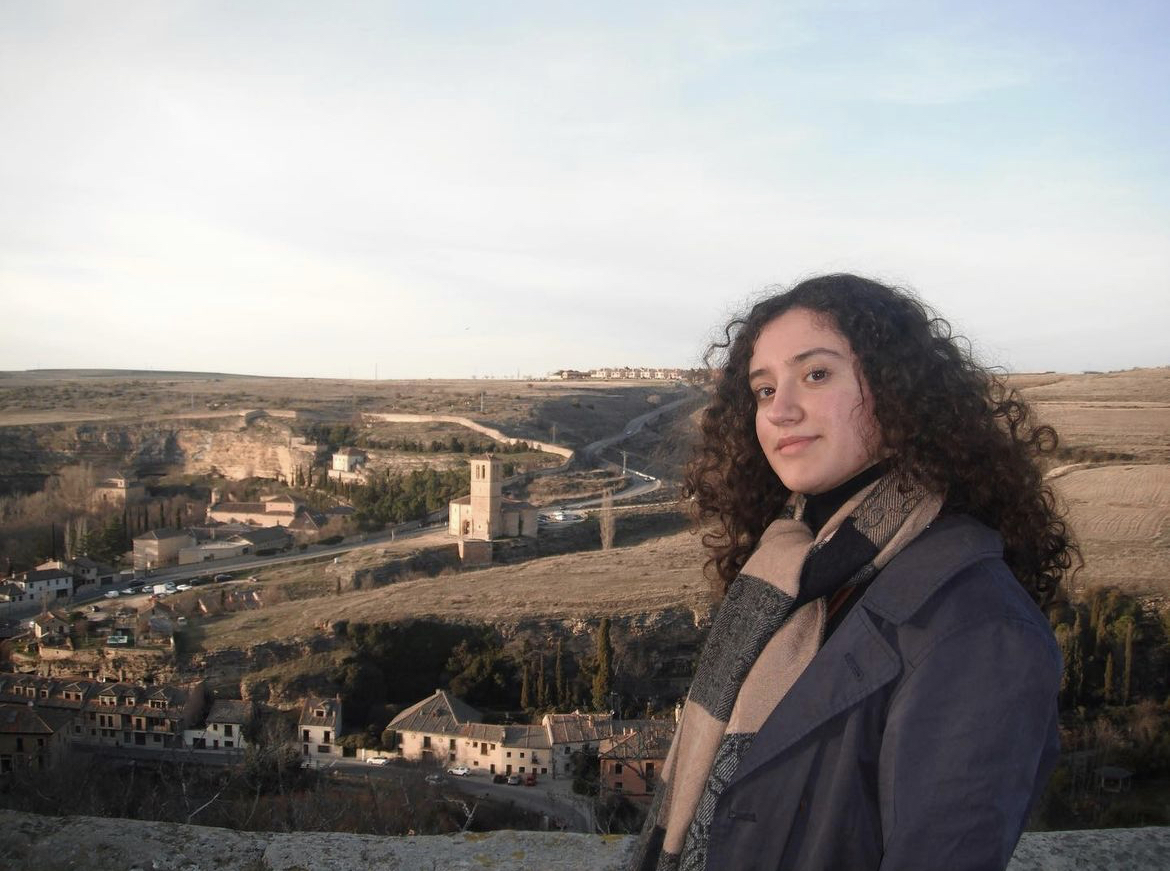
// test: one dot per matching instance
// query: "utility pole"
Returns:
(623, 462)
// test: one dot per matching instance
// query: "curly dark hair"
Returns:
(947, 422)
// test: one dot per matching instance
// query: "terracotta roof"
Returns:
(440, 713)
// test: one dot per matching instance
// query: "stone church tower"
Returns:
(487, 477)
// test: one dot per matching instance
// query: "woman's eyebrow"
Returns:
(811, 352)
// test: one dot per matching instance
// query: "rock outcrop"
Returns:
(99, 844)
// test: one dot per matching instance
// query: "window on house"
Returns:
(521, 754)
(617, 768)
(323, 748)
(509, 754)
(617, 786)
(19, 745)
(305, 735)
(426, 741)
(327, 739)
(227, 730)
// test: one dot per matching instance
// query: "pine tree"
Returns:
(603, 676)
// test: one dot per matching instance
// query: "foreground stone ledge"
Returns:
(58, 843)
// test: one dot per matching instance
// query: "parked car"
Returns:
(183, 587)
(134, 585)
(530, 780)
(200, 581)
(378, 760)
(499, 778)
(459, 770)
(127, 592)
(253, 578)
(513, 780)
(113, 594)
(223, 576)
(434, 778)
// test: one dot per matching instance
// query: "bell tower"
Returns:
(487, 476)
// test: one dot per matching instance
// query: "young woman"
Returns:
(878, 688)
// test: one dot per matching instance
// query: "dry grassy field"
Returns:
(567, 412)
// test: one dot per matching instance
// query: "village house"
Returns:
(32, 738)
(319, 726)
(348, 465)
(269, 511)
(50, 627)
(39, 585)
(428, 730)
(87, 572)
(224, 729)
(631, 762)
(118, 491)
(160, 547)
(574, 733)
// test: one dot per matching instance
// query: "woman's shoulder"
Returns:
(952, 579)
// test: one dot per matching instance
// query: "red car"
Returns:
(530, 780)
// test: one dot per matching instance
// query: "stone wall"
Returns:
(98, 844)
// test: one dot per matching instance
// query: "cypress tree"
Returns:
(1127, 680)
(603, 677)
(541, 687)
(1109, 678)
(559, 676)
(524, 686)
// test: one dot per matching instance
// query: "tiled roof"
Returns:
(652, 742)
(578, 728)
(264, 535)
(44, 575)
(439, 714)
(309, 717)
(160, 534)
(17, 719)
(229, 711)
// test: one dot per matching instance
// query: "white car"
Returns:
(113, 594)
(128, 592)
(378, 760)
(183, 587)
(459, 770)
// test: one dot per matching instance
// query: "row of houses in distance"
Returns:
(623, 373)
(41, 718)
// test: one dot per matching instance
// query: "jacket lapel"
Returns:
(855, 662)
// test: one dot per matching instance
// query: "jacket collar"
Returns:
(945, 548)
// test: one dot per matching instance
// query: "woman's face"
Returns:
(814, 415)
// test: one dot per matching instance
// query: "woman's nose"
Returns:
(784, 407)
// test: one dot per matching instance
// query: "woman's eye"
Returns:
(817, 375)
(763, 392)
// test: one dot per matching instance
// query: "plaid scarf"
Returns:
(767, 630)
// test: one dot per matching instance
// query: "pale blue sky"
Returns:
(457, 189)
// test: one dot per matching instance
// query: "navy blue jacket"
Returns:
(920, 735)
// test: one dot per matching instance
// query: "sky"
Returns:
(502, 189)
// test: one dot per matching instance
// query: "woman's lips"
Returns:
(793, 444)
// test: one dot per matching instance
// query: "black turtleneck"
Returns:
(818, 509)
(821, 506)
